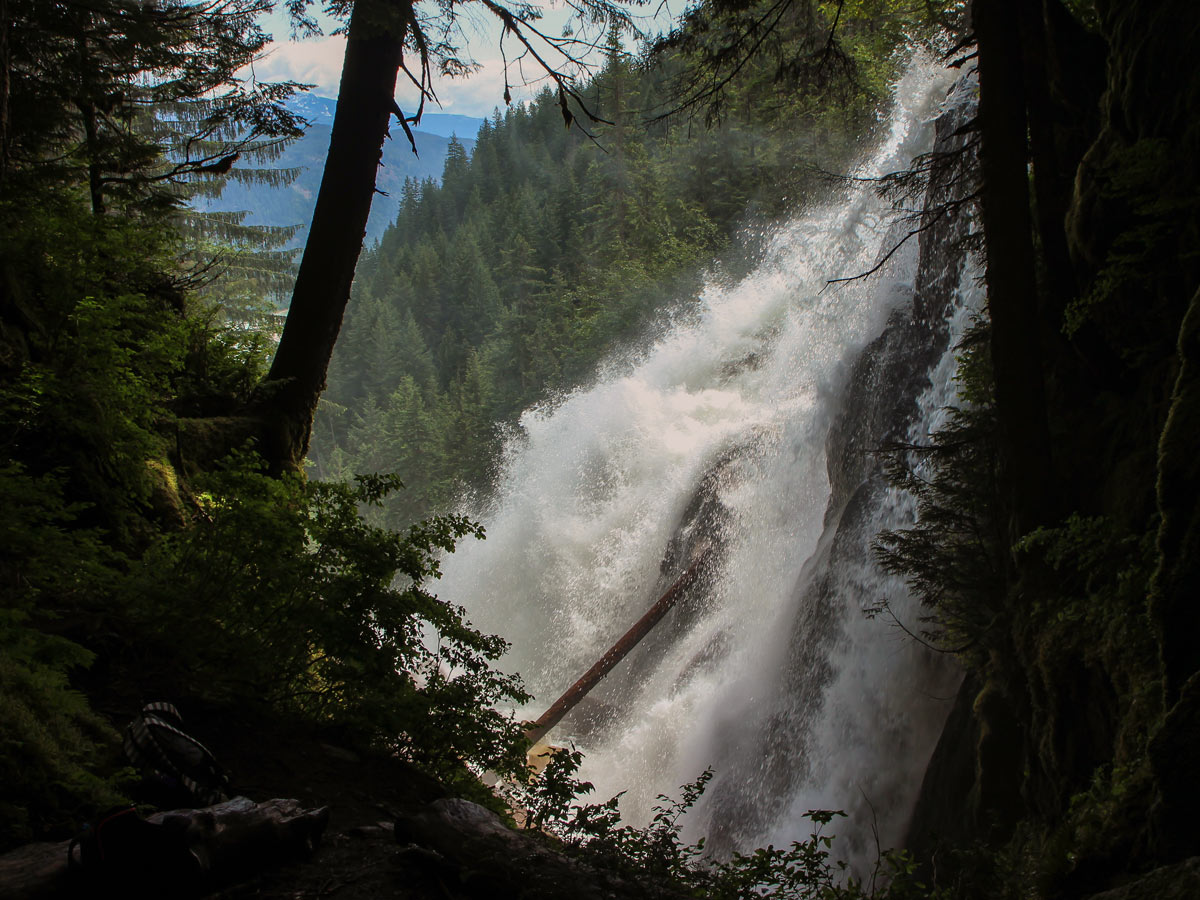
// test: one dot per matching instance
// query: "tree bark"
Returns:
(1052, 177)
(91, 134)
(1011, 279)
(287, 401)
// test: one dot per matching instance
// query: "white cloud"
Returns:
(318, 61)
(315, 61)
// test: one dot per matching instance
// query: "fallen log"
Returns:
(576, 692)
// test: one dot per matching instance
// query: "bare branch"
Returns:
(517, 26)
(883, 607)
(887, 256)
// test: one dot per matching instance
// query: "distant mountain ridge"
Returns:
(293, 204)
(319, 111)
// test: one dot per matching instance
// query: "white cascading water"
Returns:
(795, 707)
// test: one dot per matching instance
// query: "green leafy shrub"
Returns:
(657, 856)
(51, 744)
(283, 591)
(53, 749)
(956, 556)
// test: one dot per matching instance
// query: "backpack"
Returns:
(156, 743)
(123, 848)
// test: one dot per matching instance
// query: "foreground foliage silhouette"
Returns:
(657, 857)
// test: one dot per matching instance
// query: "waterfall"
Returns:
(745, 425)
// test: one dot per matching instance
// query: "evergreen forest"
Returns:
(233, 469)
(544, 249)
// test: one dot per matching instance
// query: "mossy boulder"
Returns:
(1177, 882)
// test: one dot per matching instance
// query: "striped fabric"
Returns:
(156, 741)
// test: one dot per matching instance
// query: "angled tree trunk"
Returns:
(288, 398)
(1011, 279)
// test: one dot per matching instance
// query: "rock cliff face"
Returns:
(1139, 178)
(1082, 737)
(878, 407)
(888, 377)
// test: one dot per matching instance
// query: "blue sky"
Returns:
(318, 61)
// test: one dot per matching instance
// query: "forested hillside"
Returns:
(291, 204)
(544, 249)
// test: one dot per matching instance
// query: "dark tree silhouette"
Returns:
(379, 34)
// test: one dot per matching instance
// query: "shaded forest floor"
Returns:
(448, 848)
(358, 856)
